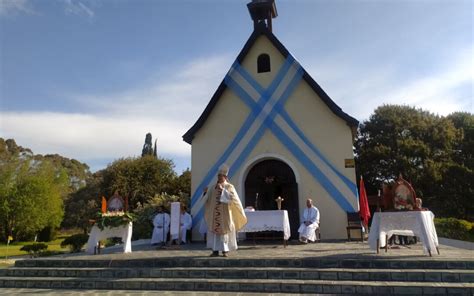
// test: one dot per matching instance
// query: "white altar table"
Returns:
(268, 221)
(124, 232)
(411, 223)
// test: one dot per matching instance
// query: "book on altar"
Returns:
(225, 196)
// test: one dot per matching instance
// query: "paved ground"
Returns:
(128, 292)
(333, 249)
(247, 250)
(134, 293)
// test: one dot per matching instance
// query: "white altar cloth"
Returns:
(411, 223)
(125, 232)
(268, 221)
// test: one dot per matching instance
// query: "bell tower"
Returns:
(262, 12)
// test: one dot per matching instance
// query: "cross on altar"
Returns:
(279, 201)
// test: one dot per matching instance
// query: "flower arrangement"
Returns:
(113, 214)
(113, 219)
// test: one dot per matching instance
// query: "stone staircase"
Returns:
(321, 275)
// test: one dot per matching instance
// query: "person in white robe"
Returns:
(310, 222)
(224, 215)
(161, 227)
(186, 222)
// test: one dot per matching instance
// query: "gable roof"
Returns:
(261, 29)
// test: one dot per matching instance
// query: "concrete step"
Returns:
(241, 285)
(336, 274)
(229, 262)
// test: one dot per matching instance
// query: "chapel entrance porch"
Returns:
(266, 181)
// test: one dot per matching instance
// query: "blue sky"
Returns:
(87, 79)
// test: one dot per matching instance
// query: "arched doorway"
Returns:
(269, 179)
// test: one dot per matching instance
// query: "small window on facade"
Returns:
(263, 63)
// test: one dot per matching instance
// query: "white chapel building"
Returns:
(279, 133)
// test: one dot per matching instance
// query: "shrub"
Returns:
(455, 229)
(142, 225)
(34, 249)
(47, 234)
(75, 242)
(112, 241)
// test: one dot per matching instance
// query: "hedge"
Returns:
(455, 229)
(34, 249)
(75, 242)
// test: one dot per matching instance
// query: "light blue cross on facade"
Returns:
(267, 113)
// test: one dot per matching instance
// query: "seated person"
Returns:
(310, 223)
(161, 223)
(419, 205)
(186, 223)
(115, 203)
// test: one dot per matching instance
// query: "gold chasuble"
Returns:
(223, 218)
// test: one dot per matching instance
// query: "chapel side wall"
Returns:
(311, 115)
(333, 218)
(320, 125)
(306, 106)
(307, 110)
(210, 142)
(333, 138)
(263, 45)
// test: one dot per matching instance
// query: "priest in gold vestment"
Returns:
(224, 215)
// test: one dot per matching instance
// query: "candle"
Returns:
(104, 205)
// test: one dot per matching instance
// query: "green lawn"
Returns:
(6, 253)
(14, 248)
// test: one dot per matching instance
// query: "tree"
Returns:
(83, 205)
(144, 180)
(147, 147)
(139, 178)
(24, 174)
(427, 149)
(402, 139)
(464, 148)
(142, 226)
(182, 185)
(30, 196)
(77, 172)
(455, 192)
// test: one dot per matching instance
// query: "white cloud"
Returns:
(72, 7)
(13, 7)
(182, 95)
(437, 93)
(78, 8)
(360, 90)
(166, 107)
(91, 136)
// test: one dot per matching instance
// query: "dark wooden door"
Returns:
(266, 181)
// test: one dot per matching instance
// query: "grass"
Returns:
(14, 248)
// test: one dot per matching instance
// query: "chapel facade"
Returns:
(280, 134)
